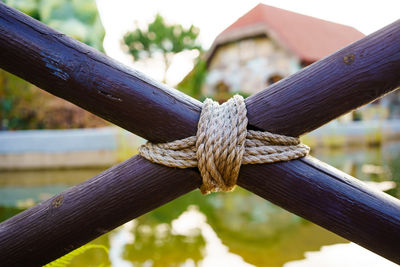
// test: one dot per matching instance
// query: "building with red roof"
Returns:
(266, 44)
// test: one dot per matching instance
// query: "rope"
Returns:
(222, 144)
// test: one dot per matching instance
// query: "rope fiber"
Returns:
(222, 144)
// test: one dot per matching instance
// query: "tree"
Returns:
(192, 83)
(163, 39)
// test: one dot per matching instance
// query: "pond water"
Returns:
(223, 229)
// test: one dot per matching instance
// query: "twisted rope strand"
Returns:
(222, 144)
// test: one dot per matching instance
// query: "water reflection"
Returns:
(161, 244)
(349, 254)
(118, 239)
(376, 165)
(215, 253)
(232, 229)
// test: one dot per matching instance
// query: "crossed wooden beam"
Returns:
(335, 85)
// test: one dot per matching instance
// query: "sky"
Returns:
(213, 16)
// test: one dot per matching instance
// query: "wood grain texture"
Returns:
(331, 199)
(83, 212)
(76, 72)
(335, 85)
(306, 100)
(89, 79)
(80, 74)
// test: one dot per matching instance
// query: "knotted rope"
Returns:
(222, 144)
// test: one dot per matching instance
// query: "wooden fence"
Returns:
(335, 85)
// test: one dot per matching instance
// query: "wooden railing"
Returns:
(335, 85)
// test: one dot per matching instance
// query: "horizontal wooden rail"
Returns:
(85, 77)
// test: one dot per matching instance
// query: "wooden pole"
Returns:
(80, 74)
(351, 77)
(331, 199)
(333, 86)
(76, 72)
(121, 93)
(83, 212)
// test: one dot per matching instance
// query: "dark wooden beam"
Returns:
(333, 86)
(76, 72)
(80, 74)
(351, 77)
(331, 199)
(83, 212)
(85, 77)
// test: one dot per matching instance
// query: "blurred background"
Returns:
(205, 49)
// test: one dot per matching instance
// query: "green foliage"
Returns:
(8, 212)
(29, 7)
(22, 105)
(16, 98)
(161, 38)
(192, 83)
(76, 18)
(67, 259)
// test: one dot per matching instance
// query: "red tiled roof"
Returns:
(307, 37)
